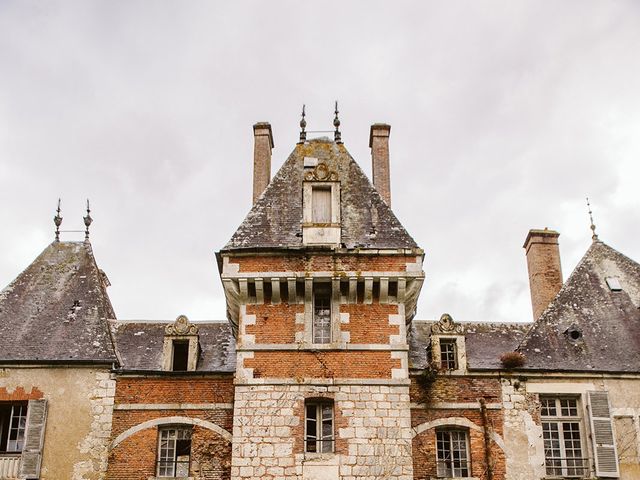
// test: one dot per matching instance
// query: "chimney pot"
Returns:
(379, 144)
(263, 144)
(543, 264)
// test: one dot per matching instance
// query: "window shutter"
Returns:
(34, 437)
(321, 205)
(604, 446)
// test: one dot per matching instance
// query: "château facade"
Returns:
(321, 369)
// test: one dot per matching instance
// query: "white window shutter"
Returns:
(604, 447)
(34, 438)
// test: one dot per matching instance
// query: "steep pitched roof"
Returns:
(57, 309)
(607, 322)
(275, 220)
(484, 342)
(139, 346)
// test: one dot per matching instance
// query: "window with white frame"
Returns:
(448, 354)
(318, 437)
(13, 422)
(452, 450)
(563, 453)
(321, 322)
(174, 452)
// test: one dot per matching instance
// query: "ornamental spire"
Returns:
(57, 220)
(594, 235)
(337, 136)
(87, 222)
(303, 124)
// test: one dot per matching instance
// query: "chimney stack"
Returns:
(379, 144)
(263, 143)
(545, 272)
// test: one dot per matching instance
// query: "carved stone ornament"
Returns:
(321, 173)
(446, 326)
(181, 326)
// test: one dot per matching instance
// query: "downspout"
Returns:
(487, 438)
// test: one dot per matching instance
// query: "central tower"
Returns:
(321, 280)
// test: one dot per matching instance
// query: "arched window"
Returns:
(452, 450)
(318, 434)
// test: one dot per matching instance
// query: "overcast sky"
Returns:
(505, 116)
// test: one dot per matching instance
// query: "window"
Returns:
(318, 436)
(321, 327)
(321, 204)
(448, 354)
(13, 420)
(561, 434)
(174, 452)
(452, 453)
(180, 356)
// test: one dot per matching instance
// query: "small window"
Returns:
(561, 420)
(13, 421)
(174, 452)
(614, 284)
(448, 354)
(180, 356)
(321, 204)
(318, 436)
(321, 329)
(452, 453)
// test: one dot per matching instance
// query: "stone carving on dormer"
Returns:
(446, 326)
(321, 173)
(181, 326)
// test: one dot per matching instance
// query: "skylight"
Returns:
(614, 284)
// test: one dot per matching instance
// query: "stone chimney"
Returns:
(545, 272)
(379, 144)
(263, 143)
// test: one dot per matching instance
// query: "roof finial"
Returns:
(87, 221)
(594, 235)
(303, 124)
(58, 221)
(337, 136)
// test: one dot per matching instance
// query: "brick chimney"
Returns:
(379, 144)
(543, 263)
(263, 143)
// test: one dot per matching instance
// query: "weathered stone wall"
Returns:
(143, 404)
(371, 424)
(79, 414)
(523, 430)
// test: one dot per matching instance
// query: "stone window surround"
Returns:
(181, 331)
(320, 233)
(460, 352)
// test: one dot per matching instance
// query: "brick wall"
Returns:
(134, 458)
(324, 263)
(274, 323)
(319, 364)
(369, 323)
(19, 394)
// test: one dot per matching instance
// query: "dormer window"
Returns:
(181, 348)
(448, 354)
(321, 207)
(180, 356)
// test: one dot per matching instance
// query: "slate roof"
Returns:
(484, 342)
(275, 220)
(609, 321)
(139, 346)
(57, 309)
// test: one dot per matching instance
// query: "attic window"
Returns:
(180, 356)
(321, 204)
(614, 284)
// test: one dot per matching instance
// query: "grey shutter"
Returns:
(604, 447)
(34, 438)
(321, 205)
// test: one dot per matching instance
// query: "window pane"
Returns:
(562, 446)
(452, 453)
(319, 427)
(322, 314)
(174, 452)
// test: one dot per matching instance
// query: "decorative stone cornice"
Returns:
(446, 326)
(181, 326)
(321, 173)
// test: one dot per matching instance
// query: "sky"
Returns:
(504, 116)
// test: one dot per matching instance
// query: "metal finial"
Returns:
(58, 221)
(594, 235)
(87, 221)
(337, 136)
(303, 124)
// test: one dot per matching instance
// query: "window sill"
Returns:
(454, 478)
(321, 458)
(171, 478)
